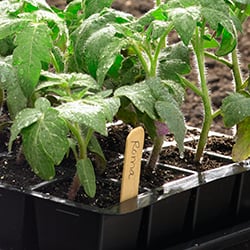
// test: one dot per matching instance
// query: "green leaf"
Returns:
(45, 142)
(185, 15)
(173, 117)
(73, 14)
(149, 125)
(174, 60)
(39, 4)
(10, 26)
(241, 149)
(210, 42)
(44, 136)
(16, 100)
(242, 1)
(41, 163)
(129, 72)
(1, 100)
(92, 113)
(58, 59)
(140, 95)
(158, 89)
(176, 90)
(71, 80)
(83, 113)
(95, 148)
(109, 55)
(56, 23)
(42, 104)
(235, 108)
(109, 106)
(24, 119)
(86, 175)
(227, 44)
(101, 50)
(33, 47)
(248, 9)
(184, 19)
(95, 6)
(6, 46)
(103, 22)
(145, 20)
(156, 29)
(217, 12)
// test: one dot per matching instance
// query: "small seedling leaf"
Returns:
(241, 149)
(227, 44)
(235, 108)
(16, 100)
(24, 119)
(86, 175)
(95, 147)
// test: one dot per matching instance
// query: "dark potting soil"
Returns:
(107, 192)
(19, 174)
(171, 156)
(109, 184)
(16, 172)
(15, 175)
(116, 139)
(217, 144)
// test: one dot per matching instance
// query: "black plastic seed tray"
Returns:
(233, 238)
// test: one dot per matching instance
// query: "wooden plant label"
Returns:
(132, 164)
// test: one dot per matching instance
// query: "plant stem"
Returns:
(155, 152)
(200, 55)
(219, 59)
(76, 130)
(160, 45)
(82, 148)
(236, 70)
(1, 99)
(192, 86)
(216, 113)
(157, 2)
(54, 62)
(74, 187)
(141, 58)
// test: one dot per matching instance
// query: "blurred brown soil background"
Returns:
(219, 78)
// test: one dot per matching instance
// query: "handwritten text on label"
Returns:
(134, 149)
